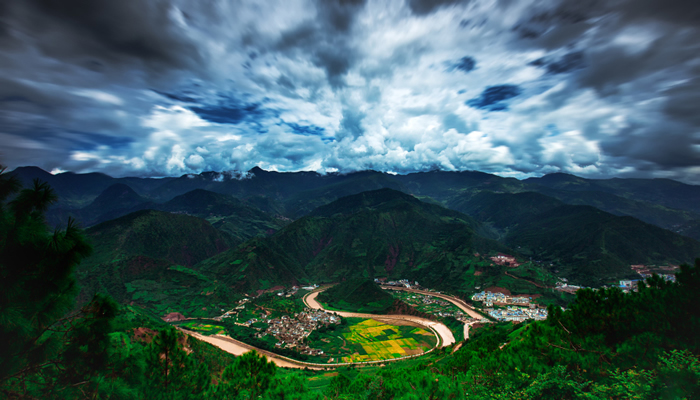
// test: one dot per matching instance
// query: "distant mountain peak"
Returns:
(364, 200)
(116, 196)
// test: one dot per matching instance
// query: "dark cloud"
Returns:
(351, 124)
(425, 7)
(451, 121)
(493, 97)
(122, 86)
(183, 97)
(610, 66)
(90, 140)
(228, 113)
(230, 110)
(113, 31)
(327, 39)
(683, 101)
(567, 63)
(665, 146)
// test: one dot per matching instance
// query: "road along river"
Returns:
(446, 336)
(461, 304)
(236, 347)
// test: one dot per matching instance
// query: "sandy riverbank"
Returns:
(446, 335)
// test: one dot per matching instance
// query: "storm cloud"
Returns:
(518, 88)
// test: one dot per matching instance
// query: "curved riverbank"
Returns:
(444, 334)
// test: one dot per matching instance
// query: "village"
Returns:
(517, 314)
(291, 332)
(489, 299)
(512, 312)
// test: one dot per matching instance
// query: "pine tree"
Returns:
(37, 286)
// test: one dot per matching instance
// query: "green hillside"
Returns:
(146, 258)
(359, 295)
(582, 243)
(226, 213)
(382, 233)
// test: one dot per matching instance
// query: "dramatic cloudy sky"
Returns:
(518, 88)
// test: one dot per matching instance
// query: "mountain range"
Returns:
(216, 236)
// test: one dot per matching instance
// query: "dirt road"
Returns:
(237, 348)
(458, 302)
(446, 336)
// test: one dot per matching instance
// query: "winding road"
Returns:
(446, 336)
(461, 304)
(441, 331)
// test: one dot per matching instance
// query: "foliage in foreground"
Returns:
(607, 345)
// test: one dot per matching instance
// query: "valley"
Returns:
(320, 274)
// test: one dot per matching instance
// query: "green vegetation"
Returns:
(584, 244)
(205, 328)
(149, 258)
(226, 213)
(383, 233)
(607, 344)
(369, 340)
(358, 295)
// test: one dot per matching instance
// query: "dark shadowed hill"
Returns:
(665, 192)
(580, 242)
(146, 258)
(226, 213)
(662, 202)
(115, 201)
(180, 239)
(371, 234)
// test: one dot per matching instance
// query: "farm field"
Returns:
(371, 340)
(207, 329)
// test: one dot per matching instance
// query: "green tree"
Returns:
(172, 373)
(37, 283)
(250, 375)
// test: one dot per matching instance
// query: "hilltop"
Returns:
(359, 295)
(373, 234)
(662, 202)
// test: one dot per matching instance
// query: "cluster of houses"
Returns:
(517, 314)
(291, 332)
(505, 259)
(401, 283)
(489, 299)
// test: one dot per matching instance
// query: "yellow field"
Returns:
(204, 327)
(373, 340)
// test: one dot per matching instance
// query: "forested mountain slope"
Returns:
(372, 234)
(665, 203)
(582, 243)
(147, 258)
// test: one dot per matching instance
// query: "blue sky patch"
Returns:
(229, 111)
(493, 97)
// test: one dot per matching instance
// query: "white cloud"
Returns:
(394, 103)
(99, 96)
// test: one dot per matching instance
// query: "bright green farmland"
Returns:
(205, 328)
(370, 340)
